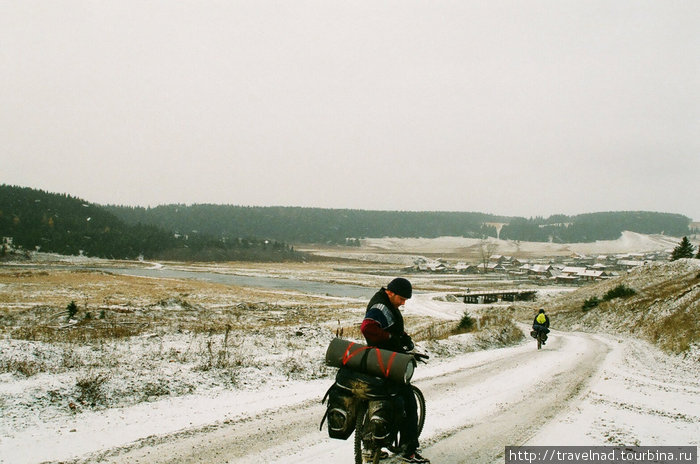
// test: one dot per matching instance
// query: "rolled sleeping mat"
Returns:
(391, 365)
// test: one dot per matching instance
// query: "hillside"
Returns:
(664, 310)
(58, 223)
(38, 220)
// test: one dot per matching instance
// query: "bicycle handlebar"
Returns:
(420, 357)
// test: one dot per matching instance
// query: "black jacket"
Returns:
(381, 312)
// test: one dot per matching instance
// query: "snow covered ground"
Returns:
(640, 397)
(580, 389)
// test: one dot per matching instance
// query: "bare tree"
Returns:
(487, 249)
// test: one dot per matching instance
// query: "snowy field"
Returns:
(598, 390)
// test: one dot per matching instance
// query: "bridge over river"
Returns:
(492, 296)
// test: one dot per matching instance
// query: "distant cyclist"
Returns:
(541, 324)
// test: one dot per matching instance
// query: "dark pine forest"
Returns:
(64, 224)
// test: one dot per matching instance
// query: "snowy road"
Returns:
(580, 389)
(504, 401)
(478, 403)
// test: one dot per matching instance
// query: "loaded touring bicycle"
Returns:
(364, 397)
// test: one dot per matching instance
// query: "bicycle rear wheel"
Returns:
(360, 422)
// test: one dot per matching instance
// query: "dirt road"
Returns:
(477, 404)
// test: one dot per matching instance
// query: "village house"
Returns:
(491, 267)
(423, 265)
(538, 270)
(566, 279)
(590, 274)
(464, 268)
(573, 270)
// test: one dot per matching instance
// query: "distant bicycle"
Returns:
(540, 328)
(540, 336)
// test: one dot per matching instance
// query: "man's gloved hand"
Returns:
(407, 342)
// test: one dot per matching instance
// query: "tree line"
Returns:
(594, 226)
(64, 224)
(307, 225)
(345, 226)
(60, 223)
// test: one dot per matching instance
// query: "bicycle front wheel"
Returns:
(420, 402)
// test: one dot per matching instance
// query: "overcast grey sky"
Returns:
(519, 107)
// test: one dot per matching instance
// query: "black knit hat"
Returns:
(401, 287)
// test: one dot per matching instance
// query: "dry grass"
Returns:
(90, 389)
(32, 306)
(95, 289)
(498, 329)
(120, 315)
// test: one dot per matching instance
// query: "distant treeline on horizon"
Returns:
(64, 224)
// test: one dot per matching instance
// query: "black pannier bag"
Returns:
(382, 418)
(343, 397)
(341, 412)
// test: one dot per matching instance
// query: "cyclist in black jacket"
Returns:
(383, 328)
(541, 324)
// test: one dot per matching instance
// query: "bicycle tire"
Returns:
(359, 427)
(420, 402)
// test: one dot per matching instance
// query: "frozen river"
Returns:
(304, 286)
